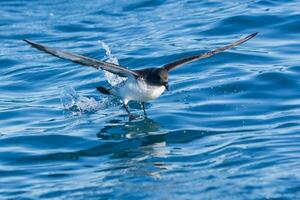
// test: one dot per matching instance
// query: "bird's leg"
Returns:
(125, 104)
(127, 109)
(144, 109)
(130, 116)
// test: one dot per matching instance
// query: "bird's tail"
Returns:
(104, 90)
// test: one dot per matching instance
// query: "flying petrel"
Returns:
(141, 85)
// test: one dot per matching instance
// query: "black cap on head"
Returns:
(158, 77)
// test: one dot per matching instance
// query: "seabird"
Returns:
(140, 85)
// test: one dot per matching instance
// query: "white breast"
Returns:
(137, 90)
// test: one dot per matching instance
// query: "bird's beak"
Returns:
(166, 86)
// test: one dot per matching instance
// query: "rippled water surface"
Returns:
(227, 129)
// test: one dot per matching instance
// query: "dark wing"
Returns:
(177, 63)
(98, 64)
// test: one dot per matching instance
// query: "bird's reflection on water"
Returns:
(141, 140)
(117, 129)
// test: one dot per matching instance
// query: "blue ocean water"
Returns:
(228, 128)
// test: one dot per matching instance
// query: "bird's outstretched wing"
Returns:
(83, 60)
(177, 63)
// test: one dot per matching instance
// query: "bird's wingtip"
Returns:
(28, 41)
(250, 36)
(253, 35)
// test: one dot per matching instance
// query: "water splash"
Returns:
(77, 104)
(111, 78)
(73, 102)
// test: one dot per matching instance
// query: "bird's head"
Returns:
(161, 77)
